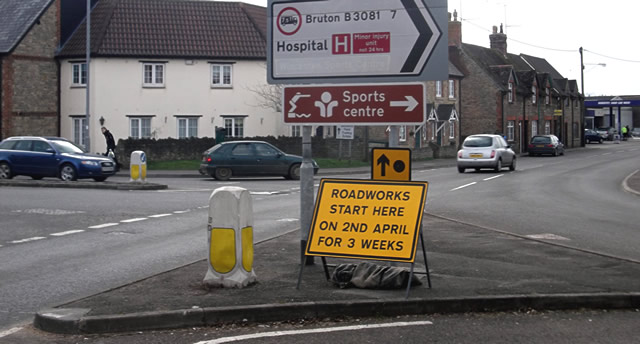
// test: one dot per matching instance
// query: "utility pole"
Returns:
(87, 115)
(583, 110)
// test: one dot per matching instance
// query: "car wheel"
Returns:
(36, 177)
(68, 173)
(5, 171)
(222, 173)
(600, 141)
(498, 165)
(512, 167)
(555, 152)
(99, 179)
(294, 172)
(588, 141)
(461, 169)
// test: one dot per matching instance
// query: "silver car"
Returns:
(485, 151)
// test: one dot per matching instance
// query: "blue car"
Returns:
(40, 157)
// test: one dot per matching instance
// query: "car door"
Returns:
(20, 156)
(242, 159)
(270, 160)
(505, 152)
(44, 160)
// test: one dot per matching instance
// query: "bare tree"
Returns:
(268, 96)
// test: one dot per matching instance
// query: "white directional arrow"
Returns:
(409, 104)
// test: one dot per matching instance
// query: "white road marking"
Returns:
(26, 240)
(59, 234)
(159, 215)
(10, 331)
(463, 186)
(606, 153)
(494, 177)
(187, 190)
(264, 192)
(620, 151)
(181, 211)
(312, 331)
(104, 225)
(547, 236)
(134, 220)
(287, 220)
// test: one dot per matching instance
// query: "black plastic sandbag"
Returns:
(372, 276)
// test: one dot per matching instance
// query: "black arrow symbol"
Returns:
(423, 38)
(384, 161)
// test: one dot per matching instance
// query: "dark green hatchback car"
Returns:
(250, 158)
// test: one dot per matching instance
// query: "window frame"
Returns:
(154, 76)
(534, 127)
(221, 83)
(234, 130)
(534, 97)
(79, 138)
(188, 121)
(547, 95)
(452, 89)
(510, 93)
(140, 120)
(547, 127)
(77, 71)
(511, 129)
(402, 133)
(438, 89)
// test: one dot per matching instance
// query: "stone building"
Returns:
(517, 96)
(29, 37)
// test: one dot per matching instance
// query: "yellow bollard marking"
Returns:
(222, 253)
(135, 172)
(144, 171)
(247, 248)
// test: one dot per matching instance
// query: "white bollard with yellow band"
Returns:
(138, 167)
(230, 234)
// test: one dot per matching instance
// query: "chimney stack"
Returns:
(498, 40)
(455, 30)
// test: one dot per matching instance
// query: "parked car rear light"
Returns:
(493, 154)
(549, 146)
(208, 159)
(460, 154)
(530, 145)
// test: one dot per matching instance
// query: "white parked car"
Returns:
(486, 151)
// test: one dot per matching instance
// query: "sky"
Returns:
(555, 30)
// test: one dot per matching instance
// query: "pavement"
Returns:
(471, 269)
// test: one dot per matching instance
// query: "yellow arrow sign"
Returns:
(391, 164)
(367, 219)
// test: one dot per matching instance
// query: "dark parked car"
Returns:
(545, 144)
(607, 132)
(485, 151)
(250, 158)
(40, 157)
(592, 136)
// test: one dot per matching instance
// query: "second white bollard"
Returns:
(230, 234)
(138, 167)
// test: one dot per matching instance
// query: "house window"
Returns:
(79, 74)
(296, 130)
(153, 74)
(534, 128)
(221, 75)
(234, 126)
(402, 133)
(438, 88)
(187, 127)
(547, 127)
(452, 129)
(140, 127)
(452, 89)
(510, 95)
(534, 97)
(547, 96)
(510, 130)
(79, 134)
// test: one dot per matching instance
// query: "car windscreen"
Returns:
(66, 147)
(478, 141)
(541, 139)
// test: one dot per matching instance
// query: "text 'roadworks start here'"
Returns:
(367, 219)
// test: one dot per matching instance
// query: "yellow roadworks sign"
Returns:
(367, 219)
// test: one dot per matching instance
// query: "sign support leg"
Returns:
(302, 264)
(406, 296)
(424, 253)
(306, 191)
(326, 268)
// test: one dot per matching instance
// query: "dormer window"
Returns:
(510, 94)
(534, 97)
(547, 97)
